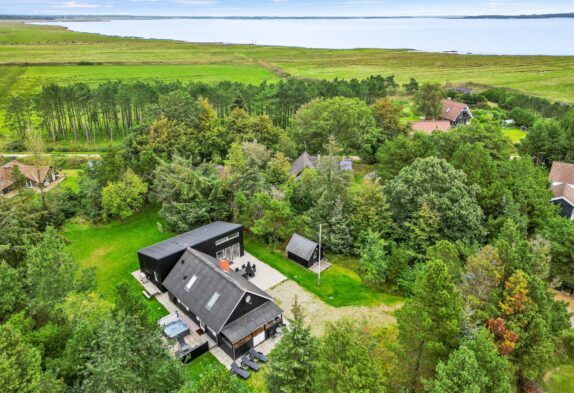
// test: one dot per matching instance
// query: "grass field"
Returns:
(32, 78)
(71, 179)
(340, 286)
(515, 134)
(111, 249)
(561, 380)
(32, 54)
(192, 371)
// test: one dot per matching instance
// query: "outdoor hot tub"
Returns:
(173, 326)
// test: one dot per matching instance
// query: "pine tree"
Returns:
(293, 361)
(338, 234)
(373, 260)
(429, 323)
(460, 374)
(423, 230)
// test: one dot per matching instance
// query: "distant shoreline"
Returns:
(93, 18)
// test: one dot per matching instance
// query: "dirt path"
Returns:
(318, 312)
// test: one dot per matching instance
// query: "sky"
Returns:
(284, 7)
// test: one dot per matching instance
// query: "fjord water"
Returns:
(552, 36)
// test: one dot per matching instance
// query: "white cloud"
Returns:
(75, 4)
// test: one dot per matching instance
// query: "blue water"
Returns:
(479, 36)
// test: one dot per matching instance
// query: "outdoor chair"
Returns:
(246, 362)
(255, 354)
(235, 369)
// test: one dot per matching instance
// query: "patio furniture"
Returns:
(255, 354)
(235, 369)
(246, 362)
(185, 347)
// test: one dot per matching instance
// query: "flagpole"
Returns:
(319, 275)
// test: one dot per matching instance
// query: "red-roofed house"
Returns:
(430, 126)
(457, 113)
(34, 175)
(562, 179)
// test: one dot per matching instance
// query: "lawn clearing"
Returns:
(193, 371)
(111, 249)
(560, 380)
(71, 180)
(340, 286)
(515, 134)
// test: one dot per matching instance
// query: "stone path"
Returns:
(317, 312)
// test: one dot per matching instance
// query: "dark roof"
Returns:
(231, 287)
(305, 160)
(301, 246)
(562, 172)
(452, 109)
(189, 239)
(251, 321)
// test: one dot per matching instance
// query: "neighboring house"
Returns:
(218, 239)
(194, 268)
(562, 186)
(429, 126)
(34, 176)
(457, 113)
(228, 308)
(306, 160)
(303, 250)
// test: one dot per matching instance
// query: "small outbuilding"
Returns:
(303, 250)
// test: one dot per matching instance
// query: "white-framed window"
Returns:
(156, 277)
(190, 283)
(220, 254)
(226, 238)
(212, 300)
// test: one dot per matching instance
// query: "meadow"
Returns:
(31, 55)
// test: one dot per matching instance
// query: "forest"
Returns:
(466, 235)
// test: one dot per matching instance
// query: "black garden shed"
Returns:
(303, 250)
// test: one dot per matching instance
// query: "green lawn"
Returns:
(111, 249)
(561, 380)
(194, 369)
(340, 286)
(255, 383)
(515, 134)
(71, 179)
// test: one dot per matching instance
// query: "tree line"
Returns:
(108, 111)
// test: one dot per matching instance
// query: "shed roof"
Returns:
(230, 286)
(562, 172)
(305, 160)
(301, 246)
(192, 238)
(251, 321)
(451, 110)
